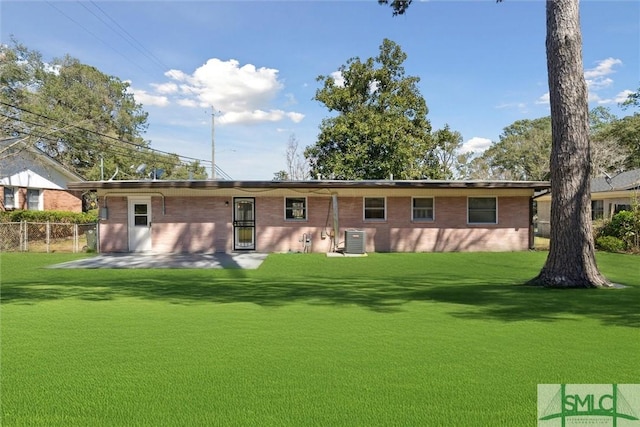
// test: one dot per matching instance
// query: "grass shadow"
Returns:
(496, 294)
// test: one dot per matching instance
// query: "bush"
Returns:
(49, 216)
(610, 244)
(624, 226)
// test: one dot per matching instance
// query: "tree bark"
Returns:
(571, 261)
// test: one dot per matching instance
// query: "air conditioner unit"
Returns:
(354, 242)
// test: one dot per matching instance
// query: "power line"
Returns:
(140, 47)
(93, 35)
(106, 148)
(94, 132)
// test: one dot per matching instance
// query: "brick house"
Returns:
(31, 180)
(315, 216)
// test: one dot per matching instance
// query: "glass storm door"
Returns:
(140, 225)
(244, 224)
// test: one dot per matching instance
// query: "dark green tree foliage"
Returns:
(83, 118)
(522, 153)
(633, 100)
(21, 73)
(447, 152)
(627, 132)
(380, 126)
(106, 121)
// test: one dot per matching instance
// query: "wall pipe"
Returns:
(156, 193)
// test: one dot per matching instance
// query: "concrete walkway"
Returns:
(245, 260)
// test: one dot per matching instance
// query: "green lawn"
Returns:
(388, 339)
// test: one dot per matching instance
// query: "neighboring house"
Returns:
(314, 216)
(609, 195)
(30, 179)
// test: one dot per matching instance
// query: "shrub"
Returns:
(624, 226)
(610, 244)
(49, 216)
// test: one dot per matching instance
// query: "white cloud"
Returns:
(291, 99)
(242, 93)
(147, 99)
(476, 145)
(599, 83)
(295, 117)
(623, 96)
(597, 79)
(521, 106)
(604, 68)
(617, 99)
(544, 99)
(257, 116)
(176, 75)
(165, 88)
(338, 78)
(53, 69)
(184, 102)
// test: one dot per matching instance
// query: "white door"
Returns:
(140, 225)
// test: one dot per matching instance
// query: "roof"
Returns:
(13, 145)
(312, 184)
(622, 181)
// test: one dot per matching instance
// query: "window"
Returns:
(33, 199)
(597, 209)
(482, 210)
(140, 215)
(9, 198)
(295, 208)
(422, 209)
(619, 208)
(374, 208)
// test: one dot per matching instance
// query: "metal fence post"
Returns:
(24, 236)
(47, 239)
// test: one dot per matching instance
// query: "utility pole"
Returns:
(213, 143)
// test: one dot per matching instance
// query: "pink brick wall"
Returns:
(204, 224)
(113, 231)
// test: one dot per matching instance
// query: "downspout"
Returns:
(336, 225)
(532, 243)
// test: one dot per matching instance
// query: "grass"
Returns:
(389, 339)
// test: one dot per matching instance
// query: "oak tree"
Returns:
(379, 127)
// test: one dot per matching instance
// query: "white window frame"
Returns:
(15, 197)
(469, 222)
(40, 199)
(433, 210)
(364, 209)
(305, 209)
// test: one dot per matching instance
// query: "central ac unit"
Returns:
(354, 242)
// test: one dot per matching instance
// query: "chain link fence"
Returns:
(48, 237)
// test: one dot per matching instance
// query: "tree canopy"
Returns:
(380, 126)
(524, 148)
(81, 117)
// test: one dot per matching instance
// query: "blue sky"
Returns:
(482, 64)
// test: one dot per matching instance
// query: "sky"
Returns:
(252, 66)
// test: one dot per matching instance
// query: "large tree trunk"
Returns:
(571, 262)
